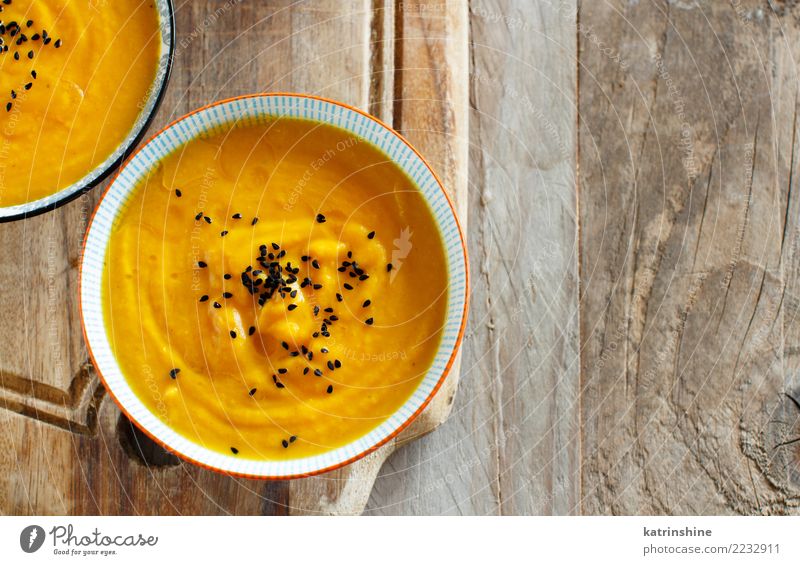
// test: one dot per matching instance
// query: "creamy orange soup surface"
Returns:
(275, 291)
(74, 77)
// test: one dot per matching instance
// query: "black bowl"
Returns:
(166, 11)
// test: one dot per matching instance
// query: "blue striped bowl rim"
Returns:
(255, 109)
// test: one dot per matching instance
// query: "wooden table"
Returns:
(628, 174)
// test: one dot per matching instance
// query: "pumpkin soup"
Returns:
(74, 77)
(275, 291)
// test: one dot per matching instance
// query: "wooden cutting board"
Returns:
(64, 447)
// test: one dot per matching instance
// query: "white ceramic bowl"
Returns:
(251, 109)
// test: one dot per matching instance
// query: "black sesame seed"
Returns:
(28, 86)
(223, 233)
(226, 276)
(363, 277)
(280, 385)
(234, 451)
(252, 391)
(317, 286)
(388, 267)
(320, 219)
(30, 54)
(285, 345)
(292, 439)
(330, 389)
(305, 371)
(315, 264)
(275, 246)
(57, 44)
(204, 298)
(254, 222)
(349, 254)
(217, 305)
(337, 364)
(282, 371)
(237, 216)
(233, 334)
(366, 303)
(174, 372)
(8, 107)
(284, 443)
(348, 286)
(178, 192)
(369, 321)
(324, 350)
(318, 372)
(291, 307)
(198, 216)
(330, 365)
(339, 297)
(33, 73)
(207, 219)
(202, 264)
(316, 310)
(251, 331)
(329, 309)
(227, 295)
(370, 235)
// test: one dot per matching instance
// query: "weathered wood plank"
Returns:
(511, 445)
(689, 265)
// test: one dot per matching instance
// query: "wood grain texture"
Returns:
(689, 264)
(512, 444)
(65, 449)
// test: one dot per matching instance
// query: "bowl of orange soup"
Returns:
(274, 286)
(79, 82)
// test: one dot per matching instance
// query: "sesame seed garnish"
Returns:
(284, 443)
(204, 298)
(305, 371)
(227, 295)
(339, 297)
(389, 267)
(285, 345)
(174, 372)
(348, 286)
(330, 365)
(223, 233)
(315, 264)
(370, 235)
(226, 276)
(368, 321)
(202, 264)
(233, 334)
(324, 350)
(320, 219)
(292, 439)
(237, 216)
(57, 44)
(291, 307)
(254, 222)
(178, 192)
(217, 305)
(234, 451)
(317, 372)
(366, 303)
(282, 371)
(252, 391)
(337, 363)
(198, 216)
(330, 389)
(207, 219)
(251, 331)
